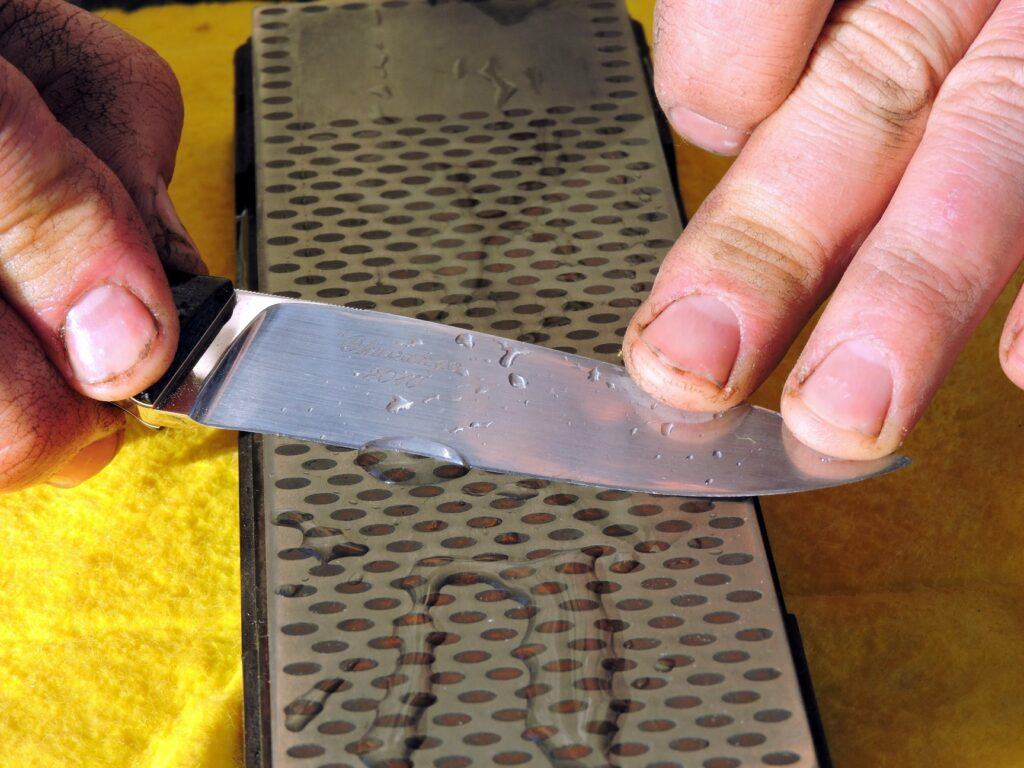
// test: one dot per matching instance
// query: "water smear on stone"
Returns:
(303, 710)
(410, 461)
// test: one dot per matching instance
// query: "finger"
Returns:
(75, 260)
(1011, 345)
(87, 462)
(931, 269)
(721, 67)
(773, 238)
(116, 96)
(45, 426)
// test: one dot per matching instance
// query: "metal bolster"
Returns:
(175, 409)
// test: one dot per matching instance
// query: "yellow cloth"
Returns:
(119, 600)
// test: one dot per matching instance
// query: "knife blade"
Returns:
(365, 379)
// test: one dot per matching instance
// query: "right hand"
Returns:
(89, 125)
(881, 167)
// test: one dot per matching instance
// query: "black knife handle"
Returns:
(204, 304)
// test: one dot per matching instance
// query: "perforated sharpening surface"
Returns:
(496, 166)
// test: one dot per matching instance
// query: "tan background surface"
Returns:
(119, 601)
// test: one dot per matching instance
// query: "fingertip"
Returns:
(696, 334)
(708, 134)
(88, 462)
(814, 428)
(841, 406)
(721, 68)
(1012, 357)
(676, 388)
(665, 379)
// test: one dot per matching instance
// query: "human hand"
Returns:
(89, 126)
(882, 150)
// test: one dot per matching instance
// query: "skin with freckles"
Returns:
(89, 126)
(880, 160)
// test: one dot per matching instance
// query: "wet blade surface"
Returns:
(354, 378)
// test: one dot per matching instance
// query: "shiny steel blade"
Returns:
(360, 378)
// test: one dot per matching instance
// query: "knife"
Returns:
(364, 379)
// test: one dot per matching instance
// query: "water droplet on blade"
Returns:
(716, 454)
(667, 427)
(399, 404)
(509, 356)
(517, 381)
(594, 375)
(465, 340)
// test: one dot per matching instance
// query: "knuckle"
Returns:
(123, 88)
(987, 88)
(62, 227)
(54, 207)
(876, 64)
(780, 262)
(156, 75)
(945, 291)
(113, 92)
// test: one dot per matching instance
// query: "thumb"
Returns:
(75, 260)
